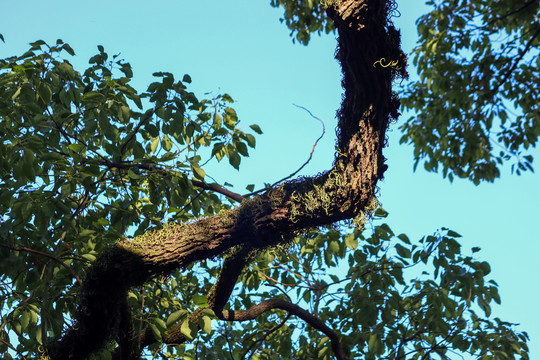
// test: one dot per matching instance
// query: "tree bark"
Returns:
(367, 42)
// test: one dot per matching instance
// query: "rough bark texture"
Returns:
(366, 42)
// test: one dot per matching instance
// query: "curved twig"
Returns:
(151, 167)
(266, 335)
(516, 63)
(267, 305)
(304, 164)
(214, 187)
(52, 257)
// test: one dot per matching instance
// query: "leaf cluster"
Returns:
(86, 159)
(476, 101)
(388, 297)
(305, 18)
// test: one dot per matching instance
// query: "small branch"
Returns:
(515, 64)
(307, 161)
(151, 167)
(25, 249)
(148, 116)
(527, 4)
(266, 335)
(218, 295)
(267, 305)
(214, 187)
(276, 281)
(21, 356)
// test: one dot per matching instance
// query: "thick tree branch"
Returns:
(365, 36)
(218, 296)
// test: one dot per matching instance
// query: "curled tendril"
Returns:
(392, 63)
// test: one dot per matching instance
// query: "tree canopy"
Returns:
(114, 242)
(488, 50)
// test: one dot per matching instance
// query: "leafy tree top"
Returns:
(87, 160)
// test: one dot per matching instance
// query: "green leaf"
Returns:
(230, 118)
(250, 140)
(217, 120)
(200, 300)
(133, 175)
(333, 247)
(76, 147)
(403, 251)
(90, 257)
(68, 49)
(227, 98)
(25, 320)
(453, 234)
(154, 144)
(404, 238)
(351, 241)
(197, 171)
(380, 212)
(206, 324)
(242, 149)
(176, 316)
(166, 143)
(45, 93)
(234, 160)
(256, 128)
(160, 324)
(186, 330)
(155, 331)
(372, 342)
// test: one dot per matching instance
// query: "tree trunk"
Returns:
(370, 56)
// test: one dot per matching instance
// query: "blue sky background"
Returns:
(241, 48)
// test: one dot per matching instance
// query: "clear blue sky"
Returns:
(240, 47)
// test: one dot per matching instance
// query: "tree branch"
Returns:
(293, 309)
(516, 62)
(364, 36)
(152, 167)
(218, 295)
(40, 253)
(266, 335)
(216, 188)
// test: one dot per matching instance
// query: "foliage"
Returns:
(87, 159)
(304, 18)
(488, 50)
(82, 164)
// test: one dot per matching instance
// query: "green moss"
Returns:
(318, 196)
(327, 3)
(361, 219)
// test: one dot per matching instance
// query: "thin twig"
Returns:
(37, 252)
(266, 335)
(304, 164)
(515, 64)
